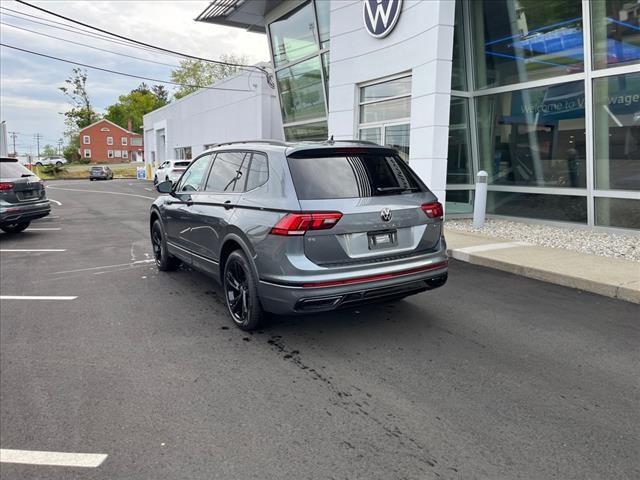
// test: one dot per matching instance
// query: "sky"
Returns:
(30, 99)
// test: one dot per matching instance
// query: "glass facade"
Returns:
(516, 115)
(300, 50)
(545, 98)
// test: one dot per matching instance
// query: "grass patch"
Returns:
(78, 171)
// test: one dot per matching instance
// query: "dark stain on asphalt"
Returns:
(246, 339)
(355, 402)
(224, 328)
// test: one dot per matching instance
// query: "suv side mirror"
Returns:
(165, 187)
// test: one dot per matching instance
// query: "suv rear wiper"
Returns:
(397, 189)
(26, 175)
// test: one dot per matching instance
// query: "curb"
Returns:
(622, 291)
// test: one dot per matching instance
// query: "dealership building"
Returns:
(542, 95)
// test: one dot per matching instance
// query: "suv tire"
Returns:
(14, 227)
(240, 287)
(164, 260)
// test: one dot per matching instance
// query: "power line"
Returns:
(88, 46)
(121, 73)
(75, 30)
(122, 37)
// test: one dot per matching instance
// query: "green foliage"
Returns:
(194, 74)
(134, 105)
(81, 113)
(49, 151)
(70, 152)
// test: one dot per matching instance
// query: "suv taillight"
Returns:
(433, 210)
(6, 186)
(300, 223)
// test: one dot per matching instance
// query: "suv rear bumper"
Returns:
(299, 299)
(19, 213)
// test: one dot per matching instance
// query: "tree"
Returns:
(193, 74)
(134, 105)
(49, 151)
(81, 113)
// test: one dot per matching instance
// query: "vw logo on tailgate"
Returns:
(380, 16)
(385, 214)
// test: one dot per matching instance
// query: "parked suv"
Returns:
(170, 170)
(299, 228)
(22, 196)
(55, 160)
(100, 173)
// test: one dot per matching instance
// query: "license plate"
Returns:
(384, 239)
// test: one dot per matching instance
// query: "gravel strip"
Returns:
(581, 240)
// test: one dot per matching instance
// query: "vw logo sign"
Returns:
(385, 214)
(380, 16)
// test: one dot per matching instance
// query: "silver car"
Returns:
(293, 228)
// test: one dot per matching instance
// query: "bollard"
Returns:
(480, 203)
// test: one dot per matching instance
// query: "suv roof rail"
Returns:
(364, 142)
(279, 143)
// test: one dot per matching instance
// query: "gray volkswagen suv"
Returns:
(292, 228)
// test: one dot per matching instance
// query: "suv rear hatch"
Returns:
(18, 184)
(387, 212)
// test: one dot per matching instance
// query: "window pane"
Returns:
(458, 70)
(353, 176)
(259, 171)
(389, 110)
(227, 173)
(534, 137)
(562, 208)
(459, 201)
(310, 131)
(323, 11)
(325, 69)
(301, 93)
(293, 36)
(618, 212)
(397, 136)
(616, 132)
(459, 156)
(521, 40)
(392, 88)
(373, 134)
(193, 178)
(616, 32)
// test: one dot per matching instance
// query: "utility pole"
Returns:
(59, 146)
(13, 136)
(38, 136)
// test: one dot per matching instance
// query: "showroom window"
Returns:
(615, 32)
(534, 137)
(300, 52)
(616, 113)
(385, 109)
(458, 68)
(183, 153)
(522, 40)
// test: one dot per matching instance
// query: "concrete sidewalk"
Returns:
(611, 277)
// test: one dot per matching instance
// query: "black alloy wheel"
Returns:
(164, 260)
(241, 293)
(14, 227)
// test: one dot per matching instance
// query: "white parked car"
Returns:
(170, 170)
(55, 160)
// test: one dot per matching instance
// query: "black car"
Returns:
(22, 196)
(100, 173)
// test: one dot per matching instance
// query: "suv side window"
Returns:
(192, 179)
(228, 172)
(258, 172)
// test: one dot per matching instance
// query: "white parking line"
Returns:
(59, 459)
(30, 229)
(35, 297)
(56, 202)
(100, 191)
(148, 189)
(131, 264)
(8, 250)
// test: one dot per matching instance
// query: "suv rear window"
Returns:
(12, 169)
(181, 164)
(352, 176)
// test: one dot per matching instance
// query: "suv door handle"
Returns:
(227, 205)
(189, 202)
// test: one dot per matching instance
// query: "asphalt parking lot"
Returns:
(492, 376)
